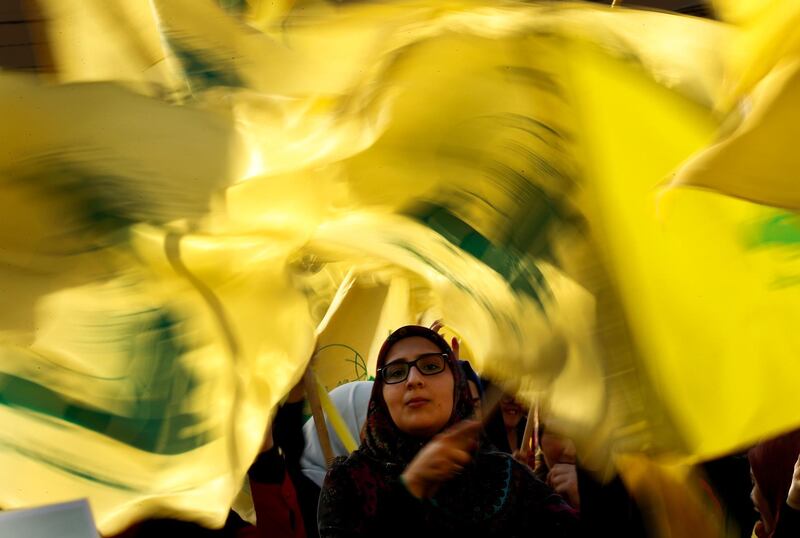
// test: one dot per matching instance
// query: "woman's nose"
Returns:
(415, 377)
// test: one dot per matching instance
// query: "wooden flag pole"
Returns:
(530, 427)
(310, 381)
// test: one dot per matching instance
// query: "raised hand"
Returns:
(441, 459)
(563, 478)
(793, 499)
(437, 326)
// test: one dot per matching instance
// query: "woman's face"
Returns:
(512, 411)
(422, 404)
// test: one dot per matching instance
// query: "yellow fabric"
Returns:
(754, 155)
(707, 281)
(756, 161)
(671, 499)
(101, 40)
(171, 246)
(769, 36)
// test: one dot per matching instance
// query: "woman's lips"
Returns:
(417, 402)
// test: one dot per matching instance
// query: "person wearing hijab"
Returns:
(351, 400)
(776, 485)
(421, 468)
(475, 388)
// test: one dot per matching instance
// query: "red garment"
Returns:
(277, 510)
(274, 499)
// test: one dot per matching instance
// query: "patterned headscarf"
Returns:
(383, 440)
(472, 376)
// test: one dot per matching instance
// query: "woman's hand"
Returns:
(563, 478)
(437, 326)
(443, 457)
(528, 458)
(793, 499)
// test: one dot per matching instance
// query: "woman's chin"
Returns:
(425, 429)
(511, 422)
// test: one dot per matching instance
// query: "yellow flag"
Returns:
(707, 281)
(754, 155)
(192, 229)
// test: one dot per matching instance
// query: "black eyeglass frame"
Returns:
(409, 364)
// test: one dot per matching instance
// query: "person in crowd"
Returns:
(560, 469)
(729, 479)
(351, 400)
(475, 387)
(506, 426)
(421, 467)
(606, 507)
(274, 501)
(473, 379)
(273, 478)
(776, 486)
(274, 498)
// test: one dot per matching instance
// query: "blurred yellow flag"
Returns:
(708, 282)
(178, 224)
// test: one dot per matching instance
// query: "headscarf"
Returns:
(472, 376)
(772, 463)
(383, 440)
(352, 401)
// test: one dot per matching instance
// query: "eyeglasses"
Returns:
(427, 364)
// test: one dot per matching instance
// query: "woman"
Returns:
(351, 400)
(506, 426)
(421, 468)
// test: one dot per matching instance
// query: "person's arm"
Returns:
(563, 478)
(269, 467)
(287, 428)
(441, 459)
